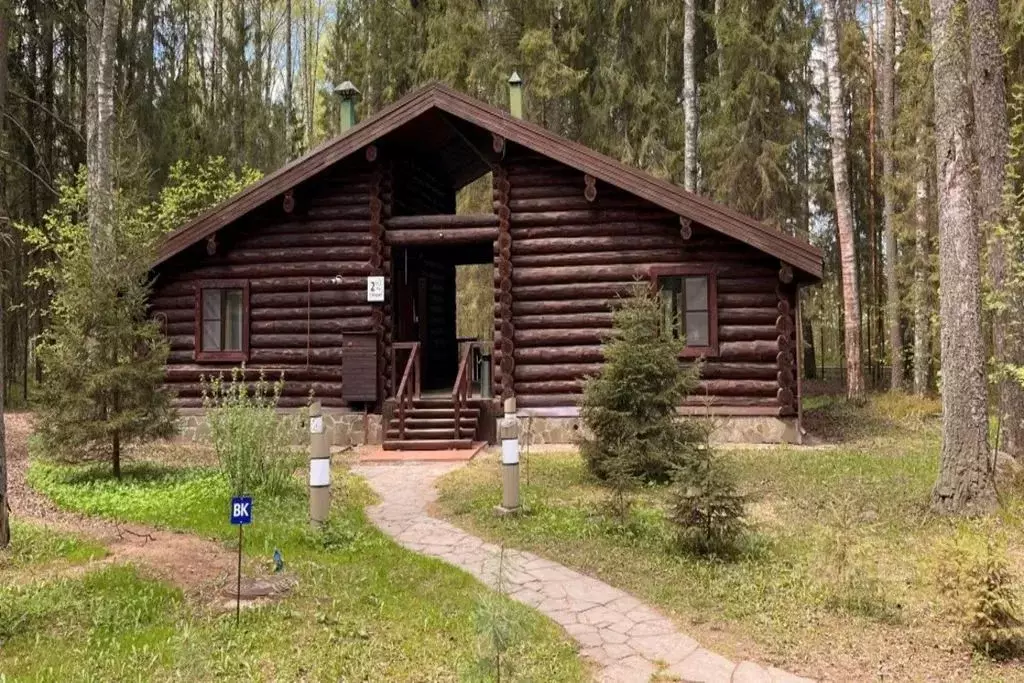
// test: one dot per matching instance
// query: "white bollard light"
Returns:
(319, 468)
(508, 433)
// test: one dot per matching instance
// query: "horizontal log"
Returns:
(334, 212)
(660, 228)
(757, 300)
(564, 354)
(441, 236)
(180, 328)
(547, 401)
(344, 198)
(528, 338)
(746, 316)
(269, 270)
(558, 371)
(181, 342)
(597, 258)
(569, 274)
(187, 402)
(576, 202)
(291, 341)
(558, 307)
(193, 372)
(165, 302)
(177, 315)
(264, 240)
(564, 245)
(293, 254)
(568, 321)
(730, 285)
(185, 285)
(695, 400)
(721, 370)
(300, 389)
(736, 387)
(315, 356)
(552, 387)
(300, 313)
(748, 351)
(588, 216)
(442, 221)
(305, 226)
(313, 326)
(602, 290)
(299, 299)
(746, 332)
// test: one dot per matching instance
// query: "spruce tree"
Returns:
(630, 408)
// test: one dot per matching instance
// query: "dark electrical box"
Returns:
(359, 367)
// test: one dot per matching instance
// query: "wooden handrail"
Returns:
(461, 390)
(412, 367)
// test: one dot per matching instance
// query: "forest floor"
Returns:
(840, 576)
(107, 579)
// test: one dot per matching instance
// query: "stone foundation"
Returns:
(744, 429)
(343, 428)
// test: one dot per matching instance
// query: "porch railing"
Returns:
(460, 394)
(411, 373)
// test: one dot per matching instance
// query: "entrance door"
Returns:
(424, 310)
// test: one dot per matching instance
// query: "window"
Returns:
(688, 308)
(222, 321)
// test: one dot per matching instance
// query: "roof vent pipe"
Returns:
(349, 95)
(515, 95)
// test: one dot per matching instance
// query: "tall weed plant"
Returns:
(254, 443)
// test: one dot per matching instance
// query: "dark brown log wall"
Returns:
(307, 276)
(568, 260)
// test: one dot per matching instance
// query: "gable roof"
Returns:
(794, 251)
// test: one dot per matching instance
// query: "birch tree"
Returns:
(844, 206)
(892, 300)
(5, 528)
(101, 43)
(991, 143)
(965, 483)
(689, 98)
(922, 331)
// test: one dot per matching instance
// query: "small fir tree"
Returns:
(707, 509)
(103, 357)
(630, 409)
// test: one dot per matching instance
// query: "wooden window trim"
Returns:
(222, 356)
(709, 271)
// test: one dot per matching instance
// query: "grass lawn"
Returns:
(839, 578)
(38, 546)
(364, 609)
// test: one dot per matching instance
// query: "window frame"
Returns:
(692, 270)
(227, 356)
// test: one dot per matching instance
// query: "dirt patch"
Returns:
(198, 566)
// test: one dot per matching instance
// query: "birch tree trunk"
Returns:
(991, 143)
(289, 143)
(101, 43)
(689, 98)
(892, 298)
(965, 484)
(844, 208)
(5, 527)
(922, 331)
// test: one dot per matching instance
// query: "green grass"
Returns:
(33, 545)
(840, 564)
(364, 608)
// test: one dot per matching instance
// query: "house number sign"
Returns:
(375, 288)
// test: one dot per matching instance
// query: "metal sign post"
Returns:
(241, 515)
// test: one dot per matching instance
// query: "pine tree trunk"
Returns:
(965, 483)
(689, 98)
(991, 142)
(844, 208)
(116, 452)
(922, 329)
(101, 39)
(289, 144)
(892, 298)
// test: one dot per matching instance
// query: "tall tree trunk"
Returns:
(689, 97)
(965, 483)
(922, 329)
(871, 289)
(289, 142)
(844, 207)
(892, 298)
(991, 143)
(101, 43)
(5, 528)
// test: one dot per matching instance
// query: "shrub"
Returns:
(707, 509)
(630, 409)
(975, 575)
(253, 442)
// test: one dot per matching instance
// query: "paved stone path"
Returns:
(628, 640)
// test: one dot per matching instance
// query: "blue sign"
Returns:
(241, 510)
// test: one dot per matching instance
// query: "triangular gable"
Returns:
(798, 253)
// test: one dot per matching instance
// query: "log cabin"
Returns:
(338, 271)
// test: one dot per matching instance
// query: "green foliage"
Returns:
(707, 507)
(103, 357)
(253, 442)
(192, 188)
(976, 575)
(33, 545)
(500, 631)
(630, 409)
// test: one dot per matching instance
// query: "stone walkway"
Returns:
(628, 640)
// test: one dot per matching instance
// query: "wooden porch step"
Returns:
(414, 421)
(448, 412)
(426, 444)
(431, 433)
